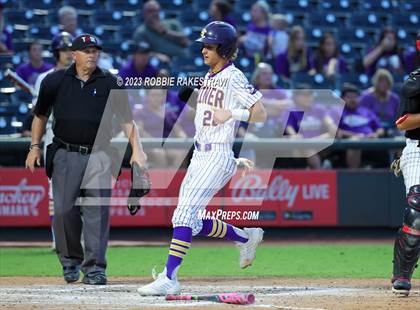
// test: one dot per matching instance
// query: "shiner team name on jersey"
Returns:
(211, 96)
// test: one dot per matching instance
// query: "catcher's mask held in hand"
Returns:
(140, 186)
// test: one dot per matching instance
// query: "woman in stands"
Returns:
(386, 54)
(381, 100)
(255, 40)
(327, 60)
(297, 57)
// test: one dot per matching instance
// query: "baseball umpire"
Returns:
(77, 97)
(407, 244)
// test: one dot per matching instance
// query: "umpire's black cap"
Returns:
(84, 41)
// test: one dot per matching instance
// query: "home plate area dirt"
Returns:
(270, 293)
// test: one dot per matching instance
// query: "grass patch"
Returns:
(311, 261)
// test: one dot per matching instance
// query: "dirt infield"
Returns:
(270, 293)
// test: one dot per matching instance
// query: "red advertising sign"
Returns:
(285, 197)
(282, 198)
(23, 197)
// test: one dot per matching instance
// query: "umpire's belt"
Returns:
(206, 147)
(82, 149)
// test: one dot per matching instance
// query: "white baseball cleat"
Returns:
(247, 250)
(161, 286)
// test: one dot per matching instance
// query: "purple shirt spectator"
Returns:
(388, 60)
(359, 121)
(341, 67)
(27, 72)
(308, 122)
(256, 41)
(385, 111)
(129, 70)
(284, 68)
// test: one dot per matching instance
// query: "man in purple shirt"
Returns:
(308, 119)
(139, 65)
(35, 66)
(356, 122)
(382, 101)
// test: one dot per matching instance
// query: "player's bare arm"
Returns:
(38, 128)
(138, 155)
(256, 114)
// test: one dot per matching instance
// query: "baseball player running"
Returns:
(407, 243)
(224, 98)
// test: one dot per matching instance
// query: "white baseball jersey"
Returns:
(228, 89)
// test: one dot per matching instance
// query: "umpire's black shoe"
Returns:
(71, 273)
(95, 278)
(401, 286)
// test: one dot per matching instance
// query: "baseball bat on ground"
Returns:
(227, 298)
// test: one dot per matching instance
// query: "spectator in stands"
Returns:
(327, 60)
(35, 66)
(309, 119)
(139, 65)
(220, 10)
(6, 46)
(411, 60)
(279, 36)
(67, 16)
(255, 40)
(381, 100)
(155, 121)
(275, 99)
(297, 57)
(385, 54)
(355, 122)
(164, 36)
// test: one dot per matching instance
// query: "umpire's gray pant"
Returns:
(70, 218)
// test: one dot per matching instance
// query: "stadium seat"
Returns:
(383, 6)
(23, 17)
(317, 81)
(286, 6)
(366, 20)
(109, 18)
(40, 32)
(410, 6)
(194, 18)
(125, 5)
(407, 21)
(359, 80)
(41, 4)
(355, 36)
(19, 97)
(83, 4)
(339, 6)
(173, 5)
(326, 20)
(126, 32)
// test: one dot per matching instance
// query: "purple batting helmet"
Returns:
(61, 41)
(222, 34)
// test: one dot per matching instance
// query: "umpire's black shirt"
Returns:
(410, 101)
(78, 107)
